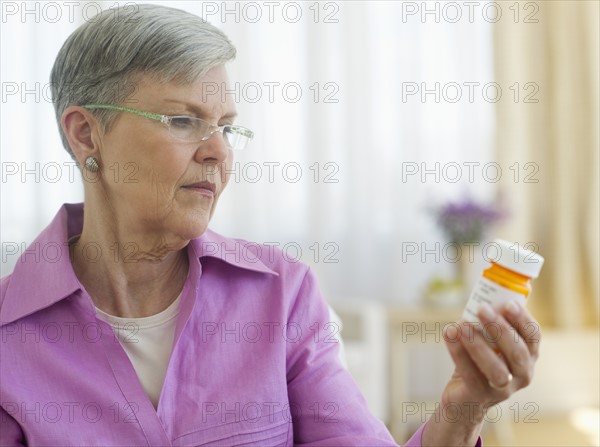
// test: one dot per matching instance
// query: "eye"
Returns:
(183, 122)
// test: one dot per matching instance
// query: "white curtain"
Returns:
(363, 95)
(559, 134)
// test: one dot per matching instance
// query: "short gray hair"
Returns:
(99, 62)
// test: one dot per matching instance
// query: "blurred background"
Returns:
(380, 127)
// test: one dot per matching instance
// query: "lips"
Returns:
(202, 186)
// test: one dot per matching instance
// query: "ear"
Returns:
(81, 129)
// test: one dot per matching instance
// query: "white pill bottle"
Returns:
(508, 278)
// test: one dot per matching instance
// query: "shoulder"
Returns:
(4, 282)
(278, 257)
(282, 260)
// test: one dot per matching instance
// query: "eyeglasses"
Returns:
(190, 129)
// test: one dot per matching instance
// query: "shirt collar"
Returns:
(237, 252)
(43, 275)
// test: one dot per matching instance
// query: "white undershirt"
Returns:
(148, 342)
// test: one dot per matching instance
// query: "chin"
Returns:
(193, 226)
(189, 221)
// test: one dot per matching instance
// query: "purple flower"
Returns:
(466, 221)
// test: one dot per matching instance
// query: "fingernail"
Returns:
(513, 308)
(487, 312)
(451, 332)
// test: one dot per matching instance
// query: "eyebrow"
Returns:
(199, 110)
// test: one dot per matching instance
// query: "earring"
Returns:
(92, 164)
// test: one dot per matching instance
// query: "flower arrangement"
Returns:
(463, 221)
(466, 220)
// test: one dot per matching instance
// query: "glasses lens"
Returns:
(237, 137)
(187, 128)
(190, 129)
(234, 140)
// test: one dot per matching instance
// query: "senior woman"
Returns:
(155, 330)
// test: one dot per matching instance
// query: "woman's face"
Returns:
(150, 179)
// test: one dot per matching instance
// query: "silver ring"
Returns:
(503, 387)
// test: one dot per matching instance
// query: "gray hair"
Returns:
(99, 62)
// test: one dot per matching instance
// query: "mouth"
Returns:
(205, 188)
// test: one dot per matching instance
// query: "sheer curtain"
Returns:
(559, 133)
(364, 115)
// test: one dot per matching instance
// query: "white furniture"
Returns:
(365, 342)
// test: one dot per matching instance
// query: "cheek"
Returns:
(226, 168)
(166, 170)
(155, 180)
(146, 162)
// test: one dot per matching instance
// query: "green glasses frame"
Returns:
(240, 136)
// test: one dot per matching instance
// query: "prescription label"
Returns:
(486, 291)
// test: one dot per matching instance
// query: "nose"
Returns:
(213, 149)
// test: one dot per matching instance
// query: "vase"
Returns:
(464, 266)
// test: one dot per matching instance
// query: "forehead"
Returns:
(205, 96)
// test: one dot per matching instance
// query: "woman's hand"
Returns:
(493, 359)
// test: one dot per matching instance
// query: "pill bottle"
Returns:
(507, 279)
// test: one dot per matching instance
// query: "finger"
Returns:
(464, 364)
(497, 331)
(487, 360)
(525, 325)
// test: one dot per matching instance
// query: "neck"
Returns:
(127, 273)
